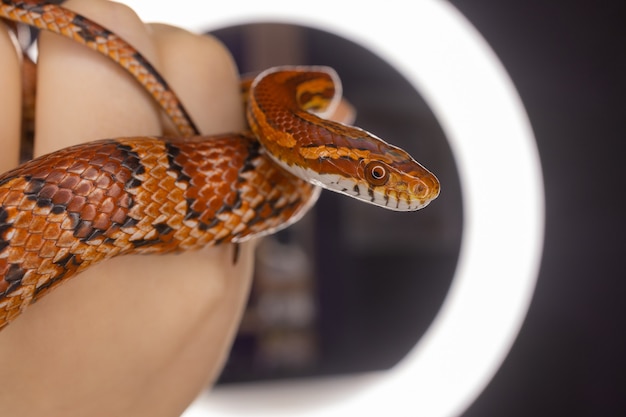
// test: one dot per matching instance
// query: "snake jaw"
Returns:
(406, 196)
(401, 184)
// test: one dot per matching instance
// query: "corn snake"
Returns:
(65, 211)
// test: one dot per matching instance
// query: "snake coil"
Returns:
(62, 212)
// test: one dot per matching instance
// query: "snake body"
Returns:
(62, 212)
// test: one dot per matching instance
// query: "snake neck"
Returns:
(254, 196)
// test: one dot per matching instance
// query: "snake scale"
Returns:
(62, 212)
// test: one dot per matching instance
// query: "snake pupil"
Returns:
(376, 174)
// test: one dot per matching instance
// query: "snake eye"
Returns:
(376, 174)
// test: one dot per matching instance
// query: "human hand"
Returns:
(136, 335)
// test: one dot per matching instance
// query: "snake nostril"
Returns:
(420, 189)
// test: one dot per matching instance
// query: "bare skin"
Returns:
(138, 335)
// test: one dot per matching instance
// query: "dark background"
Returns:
(371, 279)
(568, 62)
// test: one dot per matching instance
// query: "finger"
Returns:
(204, 75)
(191, 63)
(113, 325)
(10, 101)
(120, 322)
(83, 95)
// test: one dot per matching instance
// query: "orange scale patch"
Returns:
(52, 231)
(99, 160)
(31, 260)
(62, 197)
(107, 206)
(69, 181)
(88, 212)
(15, 255)
(152, 210)
(41, 211)
(91, 173)
(38, 224)
(18, 237)
(53, 218)
(77, 167)
(68, 223)
(48, 249)
(22, 218)
(158, 171)
(115, 190)
(46, 269)
(103, 181)
(84, 229)
(160, 195)
(83, 188)
(221, 233)
(55, 176)
(119, 215)
(76, 204)
(27, 204)
(149, 185)
(102, 221)
(47, 191)
(121, 174)
(97, 196)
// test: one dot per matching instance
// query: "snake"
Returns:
(65, 211)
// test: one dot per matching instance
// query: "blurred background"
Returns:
(333, 294)
(568, 63)
(337, 301)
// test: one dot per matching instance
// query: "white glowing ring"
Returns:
(465, 85)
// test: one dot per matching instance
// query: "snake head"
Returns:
(335, 156)
(395, 181)
(371, 170)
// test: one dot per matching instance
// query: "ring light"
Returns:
(475, 102)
